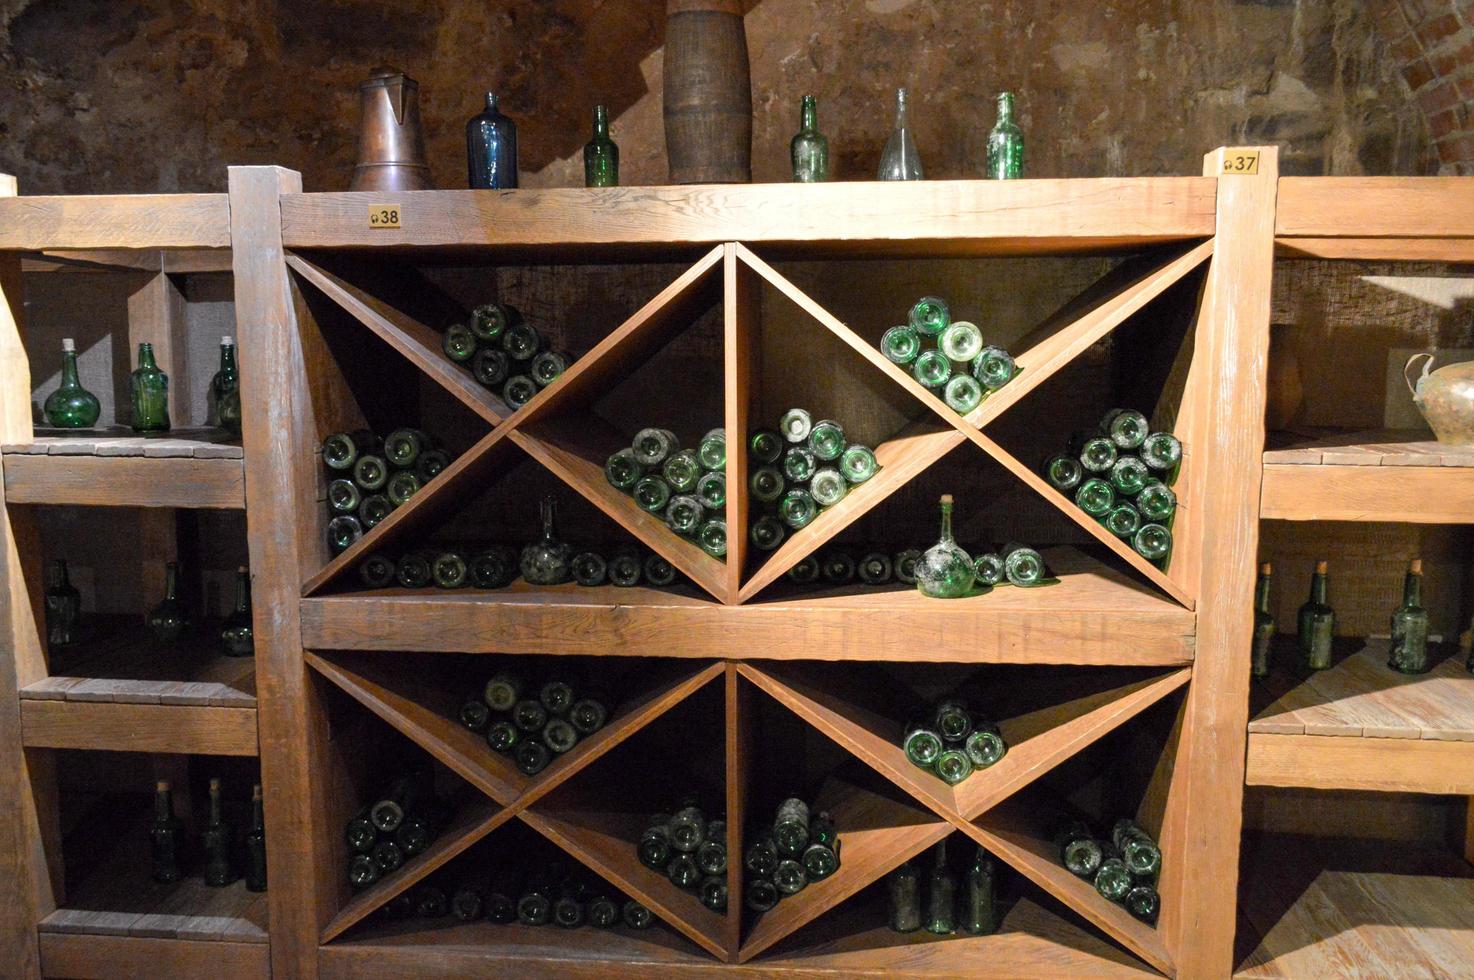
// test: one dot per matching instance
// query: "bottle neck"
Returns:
(1261, 594)
(1005, 107)
(69, 369)
(1412, 589)
(947, 523)
(215, 816)
(601, 122)
(547, 510)
(227, 359)
(146, 357)
(56, 574)
(808, 119)
(171, 581)
(900, 108)
(163, 805)
(258, 814)
(243, 592)
(1318, 588)
(493, 104)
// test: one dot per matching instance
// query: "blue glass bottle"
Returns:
(491, 148)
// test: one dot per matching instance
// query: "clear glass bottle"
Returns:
(961, 341)
(903, 888)
(491, 148)
(980, 910)
(63, 605)
(941, 895)
(225, 390)
(1263, 623)
(900, 160)
(601, 154)
(809, 149)
(945, 570)
(1408, 653)
(1005, 143)
(167, 620)
(546, 561)
(149, 391)
(1316, 622)
(71, 406)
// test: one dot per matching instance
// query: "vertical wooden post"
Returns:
(30, 870)
(741, 295)
(278, 423)
(1224, 406)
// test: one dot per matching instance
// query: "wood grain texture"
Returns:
(1341, 492)
(120, 441)
(125, 481)
(1373, 208)
(739, 748)
(104, 221)
(1377, 447)
(1452, 250)
(741, 367)
(93, 957)
(958, 216)
(138, 727)
(1386, 765)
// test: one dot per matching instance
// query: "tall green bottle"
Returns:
(941, 896)
(225, 390)
(809, 149)
(1409, 650)
(601, 154)
(217, 840)
(1005, 143)
(237, 635)
(166, 836)
(1263, 623)
(149, 389)
(1316, 622)
(980, 909)
(71, 406)
(904, 890)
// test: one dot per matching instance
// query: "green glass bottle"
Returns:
(71, 406)
(874, 568)
(370, 472)
(559, 736)
(796, 425)
(168, 619)
(684, 515)
(979, 899)
(225, 390)
(993, 367)
(712, 537)
(548, 367)
(805, 571)
(402, 447)
(962, 393)
(518, 391)
(166, 836)
(1316, 622)
(343, 531)
(761, 859)
(601, 154)
(1153, 542)
(903, 891)
(490, 320)
(764, 447)
(681, 470)
(529, 716)
(1263, 623)
(945, 570)
(929, 316)
(686, 828)
(531, 757)
(340, 451)
(467, 903)
(625, 568)
(1080, 852)
(1113, 879)
(652, 446)
(941, 895)
(362, 871)
(1161, 451)
(1005, 143)
(521, 341)
(1142, 856)
(789, 877)
(797, 509)
(683, 872)
(622, 470)
(474, 715)
(373, 510)
(636, 916)
(1123, 520)
(1064, 473)
(343, 497)
(1157, 502)
(1022, 566)
(503, 736)
(237, 637)
(952, 766)
(952, 720)
(837, 568)
(149, 391)
(652, 493)
(932, 369)
(989, 569)
(501, 906)
(922, 745)
(711, 490)
(711, 854)
(1126, 427)
(1143, 902)
(216, 841)
(799, 463)
(413, 571)
(449, 570)
(557, 696)
(712, 450)
(1098, 455)
(1095, 497)
(360, 832)
(535, 904)
(826, 440)
(821, 858)
(985, 746)
(256, 843)
(760, 894)
(765, 533)
(791, 827)
(494, 568)
(828, 486)
(491, 366)
(459, 343)
(809, 150)
(766, 484)
(545, 561)
(961, 341)
(588, 714)
(1129, 475)
(63, 604)
(1408, 652)
(653, 848)
(713, 893)
(901, 344)
(858, 463)
(590, 569)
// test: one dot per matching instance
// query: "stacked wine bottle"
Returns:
(368, 478)
(948, 356)
(973, 908)
(1120, 475)
(1124, 868)
(505, 354)
(952, 742)
(403, 823)
(786, 856)
(799, 470)
(688, 487)
(532, 729)
(874, 567)
(689, 850)
(539, 897)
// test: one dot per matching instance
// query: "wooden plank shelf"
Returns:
(951, 217)
(130, 727)
(1409, 219)
(114, 221)
(1331, 475)
(1361, 725)
(118, 468)
(1095, 615)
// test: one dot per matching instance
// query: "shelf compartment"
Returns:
(1096, 615)
(1380, 475)
(422, 706)
(1361, 725)
(117, 468)
(1409, 219)
(104, 221)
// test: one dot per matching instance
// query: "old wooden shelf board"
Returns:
(1391, 475)
(115, 221)
(119, 468)
(1362, 725)
(1410, 219)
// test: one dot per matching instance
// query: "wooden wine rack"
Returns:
(1138, 638)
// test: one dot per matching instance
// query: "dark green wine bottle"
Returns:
(1142, 856)
(806, 571)
(401, 486)
(904, 565)
(149, 390)
(532, 757)
(519, 390)
(791, 827)
(1316, 622)
(922, 744)
(1064, 473)
(491, 367)
(980, 902)
(468, 902)
(653, 849)
(340, 451)
(837, 567)
(952, 720)
(874, 569)
(590, 569)
(376, 572)
(388, 855)
(403, 796)
(952, 766)
(237, 636)
(658, 571)
(821, 857)
(636, 916)
(687, 829)
(361, 833)
(569, 911)
(63, 605)
(985, 746)
(501, 906)
(344, 497)
(256, 843)
(362, 871)
(449, 570)
(548, 367)
(168, 620)
(370, 472)
(681, 470)
(601, 154)
(432, 463)
(761, 859)
(941, 895)
(903, 889)
(1080, 852)
(712, 891)
(588, 714)
(789, 877)
(765, 447)
(402, 447)
(1113, 879)
(373, 510)
(431, 902)
(765, 533)
(490, 320)
(625, 568)
(683, 872)
(522, 341)
(1263, 623)
(529, 715)
(1143, 902)
(1408, 652)
(559, 736)
(535, 905)
(413, 571)
(760, 894)
(989, 568)
(474, 715)
(1022, 566)
(459, 343)
(494, 568)
(711, 855)
(503, 736)
(216, 841)
(603, 912)
(166, 836)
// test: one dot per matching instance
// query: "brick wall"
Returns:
(1433, 43)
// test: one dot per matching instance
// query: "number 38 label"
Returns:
(384, 216)
(1245, 162)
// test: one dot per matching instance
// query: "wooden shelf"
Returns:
(1331, 475)
(117, 468)
(115, 221)
(1410, 219)
(1362, 725)
(1095, 615)
(953, 217)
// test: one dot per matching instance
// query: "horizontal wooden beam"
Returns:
(86, 957)
(114, 221)
(110, 726)
(1407, 219)
(1415, 494)
(125, 481)
(1388, 765)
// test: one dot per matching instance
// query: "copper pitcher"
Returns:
(391, 145)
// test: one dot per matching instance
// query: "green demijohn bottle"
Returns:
(71, 406)
(236, 635)
(601, 154)
(216, 841)
(148, 389)
(945, 570)
(1263, 623)
(1408, 653)
(166, 836)
(1316, 623)
(903, 888)
(979, 897)
(546, 561)
(256, 844)
(167, 620)
(1005, 143)
(941, 895)
(63, 606)
(225, 390)
(809, 149)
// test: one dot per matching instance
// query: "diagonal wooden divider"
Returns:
(1059, 347)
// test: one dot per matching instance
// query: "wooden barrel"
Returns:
(708, 93)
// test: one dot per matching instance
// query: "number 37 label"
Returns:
(384, 216)
(1244, 162)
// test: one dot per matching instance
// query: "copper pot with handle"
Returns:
(1445, 397)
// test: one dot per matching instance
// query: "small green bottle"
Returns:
(1408, 653)
(459, 343)
(1023, 566)
(712, 537)
(216, 839)
(590, 569)
(952, 766)
(858, 463)
(962, 393)
(681, 470)
(1153, 542)
(712, 451)
(989, 568)
(980, 903)
(489, 320)
(225, 390)
(1157, 502)
(1080, 852)
(1005, 143)
(601, 154)
(809, 149)
(1263, 623)
(71, 406)
(1063, 472)
(932, 369)
(929, 316)
(1316, 622)
(658, 571)
(166, 836)
(711, 490)
(985, 746)
(1127, 428)
(764, 447)
(799, 464)
(806, 571)
(791, 827)
(797, 509)
(149, 391)
(491, 367)
(1113, 879)
(766, 533)
(901, 344)
(922, 745)
(941, 895)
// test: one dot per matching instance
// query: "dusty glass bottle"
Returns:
(601, 154)
(236, 635)
(216, 840)
(149, 391)
(491, 148)
(225, 390)
(1409, 650)
(979, 901)
(63, 606)
(941, 895)
(167, 620)
(904, 890)
(1316, 623)
(1263, 623)
(1005, 143)
(809, 149)
(71, 406)
(945, 570)
(900, 160)
(546, 561)
(166, 836)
